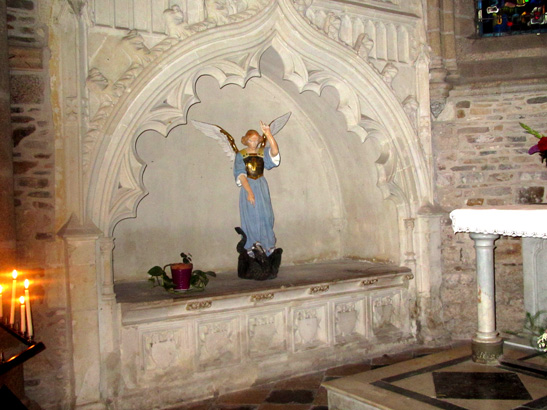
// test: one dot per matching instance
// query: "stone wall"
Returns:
(480, 154)
(7, 228)
(46, 375)
(32, 130)
(481, 159)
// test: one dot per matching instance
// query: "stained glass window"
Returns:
(502, 17)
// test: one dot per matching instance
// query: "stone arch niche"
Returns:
(165, 93)
(324, 194)
(364, 118)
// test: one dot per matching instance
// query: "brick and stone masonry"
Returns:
(481, 159)
(480, 152)
(47, 376)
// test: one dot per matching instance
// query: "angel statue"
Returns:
(258, 257)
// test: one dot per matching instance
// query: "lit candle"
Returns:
(1, 304)
(29, 318)
(13, 286)
(23, 327)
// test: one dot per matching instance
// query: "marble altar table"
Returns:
(485, 225)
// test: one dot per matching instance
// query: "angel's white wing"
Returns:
(220, 135)
(277, 124)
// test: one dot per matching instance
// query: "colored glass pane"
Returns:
(502, 17)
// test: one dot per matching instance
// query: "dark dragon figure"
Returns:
(257, 266)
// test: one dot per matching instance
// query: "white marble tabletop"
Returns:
(509, 220)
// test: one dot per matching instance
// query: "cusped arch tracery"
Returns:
(116, 192)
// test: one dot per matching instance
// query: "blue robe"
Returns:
(256, 221)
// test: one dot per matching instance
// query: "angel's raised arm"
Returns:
(220, 135)
(276, 126)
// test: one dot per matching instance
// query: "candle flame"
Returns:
(26, 283)
(14, 274)
(22, 300)
(1, 289)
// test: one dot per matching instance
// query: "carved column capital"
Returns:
(442, 42)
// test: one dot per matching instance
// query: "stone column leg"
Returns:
(487, 345)
(83, 309)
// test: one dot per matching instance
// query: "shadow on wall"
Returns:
(324, 192)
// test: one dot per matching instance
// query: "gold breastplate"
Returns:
(254, 163)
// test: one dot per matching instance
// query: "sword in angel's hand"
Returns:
(276, 126)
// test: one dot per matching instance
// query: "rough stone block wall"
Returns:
(481, 159)
(47, 376)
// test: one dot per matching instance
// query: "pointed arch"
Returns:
(164, 92)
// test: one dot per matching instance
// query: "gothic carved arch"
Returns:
(161, 95)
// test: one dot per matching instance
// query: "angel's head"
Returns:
(252, 139)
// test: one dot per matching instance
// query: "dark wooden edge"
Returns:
(32, 350)
(15, 334)
(22, 357)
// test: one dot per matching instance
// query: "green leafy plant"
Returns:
(535, 329)
(198, 279)
(534, 323)
(186, 257)
(159, 277)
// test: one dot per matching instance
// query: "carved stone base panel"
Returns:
(196, 345)
(156, 351)
(389, 314)
(267, 333)
(310, 327)
(163, 347)
(350, 320)
(218, 342)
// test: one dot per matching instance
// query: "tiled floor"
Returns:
(299, 393)
(449, 380)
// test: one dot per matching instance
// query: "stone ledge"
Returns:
(141, 302)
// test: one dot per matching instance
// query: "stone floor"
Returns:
(421, 378)
(448, 380)
(304, 392)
